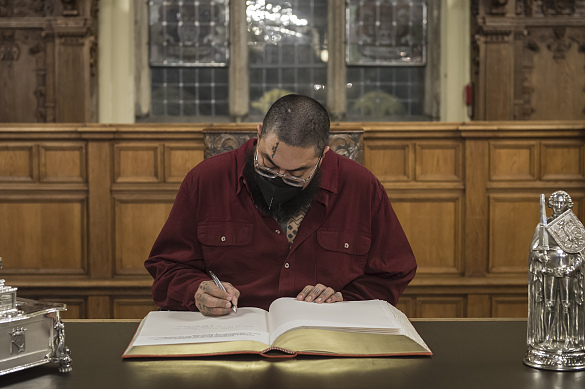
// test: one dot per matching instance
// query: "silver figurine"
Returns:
(556, 313)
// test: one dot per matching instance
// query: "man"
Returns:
(282, 215)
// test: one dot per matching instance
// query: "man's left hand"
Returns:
(319, 294)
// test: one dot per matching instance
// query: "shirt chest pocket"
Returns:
(225, 244)
(343, 256)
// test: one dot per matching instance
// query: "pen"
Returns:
(218, 283)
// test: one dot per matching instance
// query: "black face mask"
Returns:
(284, 211)
(275, 191)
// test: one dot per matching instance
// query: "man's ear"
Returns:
(259, 130)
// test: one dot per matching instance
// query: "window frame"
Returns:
(238, 71)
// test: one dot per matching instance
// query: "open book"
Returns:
(290, 327)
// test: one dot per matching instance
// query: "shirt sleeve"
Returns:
(176, 259)
(390, 265)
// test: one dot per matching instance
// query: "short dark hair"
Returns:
(298, 121)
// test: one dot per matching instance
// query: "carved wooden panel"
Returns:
(528, 60)
(43, 235)
(562, 160)
(510, 306)
(498, 63)
(440, 307)
(346, 143)
(18, 162)
(62, 162)
(132, 308)
(137, 162)
(22, 54)
(73, 81)
(554, 60)
(433, 227)
(390, 161)
(48, 55)
(513, 161)
(138, 221)
(438, 161)
(180, 158)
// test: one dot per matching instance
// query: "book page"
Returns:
(171, 327)
(401, 318)
(351, 316)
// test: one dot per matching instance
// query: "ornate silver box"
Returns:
(31, 332)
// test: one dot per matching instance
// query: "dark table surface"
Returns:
(467, 354)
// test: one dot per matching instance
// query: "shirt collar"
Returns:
(329, 169)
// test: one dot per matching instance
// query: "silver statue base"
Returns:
(555, 359)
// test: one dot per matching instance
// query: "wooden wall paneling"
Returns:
(510, 306)
(76, 307)
(439, 161)
(476, 205)
(513, 161)
(563, 160)
(432, 224)
(513, 218)
(138, 221)
(132, 308)
(62, 162)
(180, 158)
(390, 161)
(137, 162)
(18, 162)
(466, 194)
(99, 307)
(99, 152)
(440, 307)
(46, 233)
(478, 305)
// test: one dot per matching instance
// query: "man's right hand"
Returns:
(211, 300)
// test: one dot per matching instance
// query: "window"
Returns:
(384, 71)
(286, 42)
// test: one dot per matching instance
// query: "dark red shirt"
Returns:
(350, 239)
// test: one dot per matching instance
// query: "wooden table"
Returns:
(467, 354)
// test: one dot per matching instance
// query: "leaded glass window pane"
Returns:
(189, 91)
(388, 93)
(188, 33)
(386, 58)
(386, 32)
(287, 46)
(188, 58)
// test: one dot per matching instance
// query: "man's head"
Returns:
(283, 172)
(298, 121)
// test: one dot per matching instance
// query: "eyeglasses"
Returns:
(286, 178)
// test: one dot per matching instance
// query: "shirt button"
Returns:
(346, 245)
(277, 231)
(286, 265)
(223, 238)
